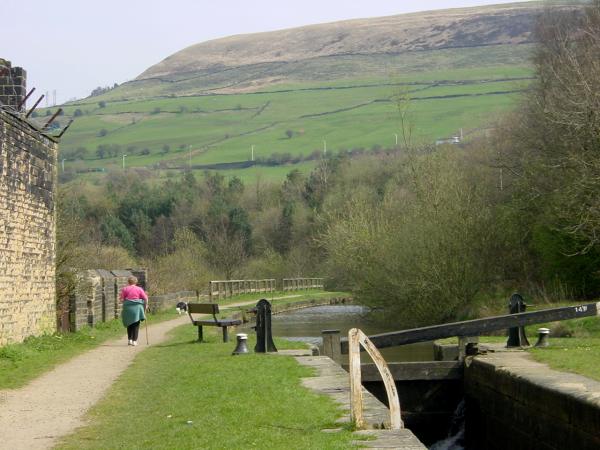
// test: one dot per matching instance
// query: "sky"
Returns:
(73, 46)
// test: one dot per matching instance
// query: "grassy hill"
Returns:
(210, 103)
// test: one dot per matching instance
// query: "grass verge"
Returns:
(20, 363)
(577, 355)
(186, 395)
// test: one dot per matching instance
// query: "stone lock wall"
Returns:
(513, 402)
(27, 230)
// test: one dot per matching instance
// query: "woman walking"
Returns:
(135, 303)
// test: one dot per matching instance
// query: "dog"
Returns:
(181, 307)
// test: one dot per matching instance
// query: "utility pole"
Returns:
(252, 152)
(124, 161)
(324, 147)
(63, 165)
(190, 149)
(396, 135)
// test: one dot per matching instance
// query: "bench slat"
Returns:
(203, 308)
(218, 323)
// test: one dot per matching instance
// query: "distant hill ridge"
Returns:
(442, 29)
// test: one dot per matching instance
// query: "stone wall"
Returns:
(27, 230)
(12, 85)
(517, 403)
(166, 301)
(95, 298)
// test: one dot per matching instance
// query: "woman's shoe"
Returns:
(134, 343)
(130, 342)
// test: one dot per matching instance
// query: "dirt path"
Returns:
(54, 405)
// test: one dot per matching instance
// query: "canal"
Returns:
(306, 325)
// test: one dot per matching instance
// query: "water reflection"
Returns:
(306, 325)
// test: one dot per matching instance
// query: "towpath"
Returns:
(53, 405)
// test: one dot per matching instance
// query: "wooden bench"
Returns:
(210, 308)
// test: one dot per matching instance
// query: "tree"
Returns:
(165, 149)
(284, 234)
(114, 232)
(427, 247)
(549, 150)
(103, 132)
(289, 133)
(101, 151)
(102, 104)
(77, 113)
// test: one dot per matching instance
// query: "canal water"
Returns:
(306, 325)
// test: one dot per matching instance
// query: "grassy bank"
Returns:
(190, 395)
(20, 363)
(578, 355)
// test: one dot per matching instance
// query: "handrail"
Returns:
(228, 288)
(296, 284)
(478, 327)
(356, 339)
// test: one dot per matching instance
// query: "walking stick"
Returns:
(146, 329)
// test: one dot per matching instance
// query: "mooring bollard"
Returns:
(543, 337)
(264, 336)
(331, 345)
(516, 335)
(242, 344)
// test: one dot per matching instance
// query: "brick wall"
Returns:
(27, 230)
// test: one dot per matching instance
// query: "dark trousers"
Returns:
(133, 330)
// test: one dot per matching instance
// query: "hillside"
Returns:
(293, 92)
(333, 51)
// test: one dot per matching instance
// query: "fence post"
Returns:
(331, 344)
(356, 397)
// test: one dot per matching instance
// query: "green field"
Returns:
(293, 119)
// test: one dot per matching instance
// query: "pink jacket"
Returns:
(133, 293)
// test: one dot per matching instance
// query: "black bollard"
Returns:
(264, 336)
(516, 335)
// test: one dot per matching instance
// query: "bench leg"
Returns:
(200, 333)
(225, 334)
